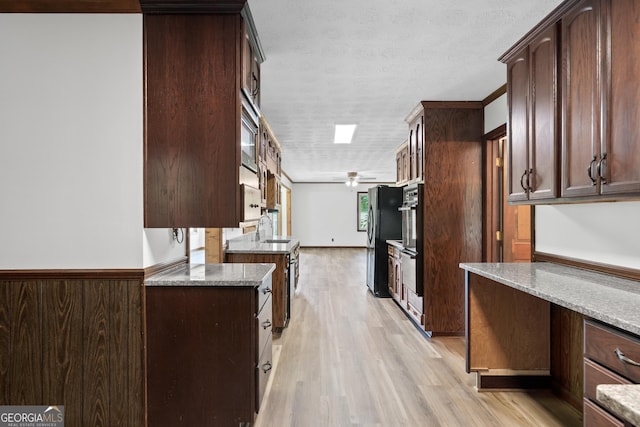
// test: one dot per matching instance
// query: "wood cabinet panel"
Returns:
(601, 344)
(191, 377)
(531, 94)
(452, 210)
(543, 116)
(506, 338)
(192, 120)
(581, 100)
(595, 374)
(280, 285)
(567, 337)
(620, 155)
(594, 416)
(518, 140)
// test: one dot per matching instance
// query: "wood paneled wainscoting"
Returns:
(74, 338)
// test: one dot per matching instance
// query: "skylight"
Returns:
(344, 134)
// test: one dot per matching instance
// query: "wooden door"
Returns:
(507, 228)
(581, 87)
(516, 243)
(517, 151)
(620, 157)
(543, 116)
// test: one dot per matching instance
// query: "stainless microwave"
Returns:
(249, 138)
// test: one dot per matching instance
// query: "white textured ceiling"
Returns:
(370, 62)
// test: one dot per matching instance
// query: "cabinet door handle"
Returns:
(522, 180)
(256, 85)
(601, 169)
(529, 189)
(624, 358)
(266, 324)
(266, 367)
(590, 170)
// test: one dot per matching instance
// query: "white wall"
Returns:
(496, 113)
(71, 126)
(326, 214)
(598, 232)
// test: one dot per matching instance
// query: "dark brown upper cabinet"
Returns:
(573, 85)
(619, 163)
(581, 98)
(531, 93)
(193, 102)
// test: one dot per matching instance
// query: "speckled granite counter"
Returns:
(274, 245)
(600, 296)
(622, 400)
(212, 275)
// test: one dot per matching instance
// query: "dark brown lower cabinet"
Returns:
(280, 277)
(602, 365)
(208, 354)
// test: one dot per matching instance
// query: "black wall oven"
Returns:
(412, 262)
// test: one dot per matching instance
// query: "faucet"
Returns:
(259, 227)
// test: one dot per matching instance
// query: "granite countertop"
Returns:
(622, 400)
(600, 296)
(272, 245)
(249, 275)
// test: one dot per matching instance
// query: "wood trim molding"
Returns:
(67, 274)
(551, 19)
(623, 272)
(497, 133)
(164, 266)
(85, 274)
(192, 6)
(70, 6)
(495, 95)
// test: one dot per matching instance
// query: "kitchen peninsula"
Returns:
(511, 341)
(208, 344)
(283, 252)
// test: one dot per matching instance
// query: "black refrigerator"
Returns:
(384, 223)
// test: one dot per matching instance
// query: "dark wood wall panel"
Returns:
(74, 342)
(5, 349)
(95, 385)
(25, 344)
(62, 345)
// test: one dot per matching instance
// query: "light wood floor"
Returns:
(350, 359)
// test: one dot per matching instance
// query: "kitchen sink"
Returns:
(276, 240)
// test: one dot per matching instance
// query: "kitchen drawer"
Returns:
(594, 416)
(595, 374)
(264, 325)
(263, 372)
(264, 294)
(601, 344)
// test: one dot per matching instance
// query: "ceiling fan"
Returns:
(353, 178)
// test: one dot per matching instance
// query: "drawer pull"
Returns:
(266, 324)
(266, 367)
(624, 358)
